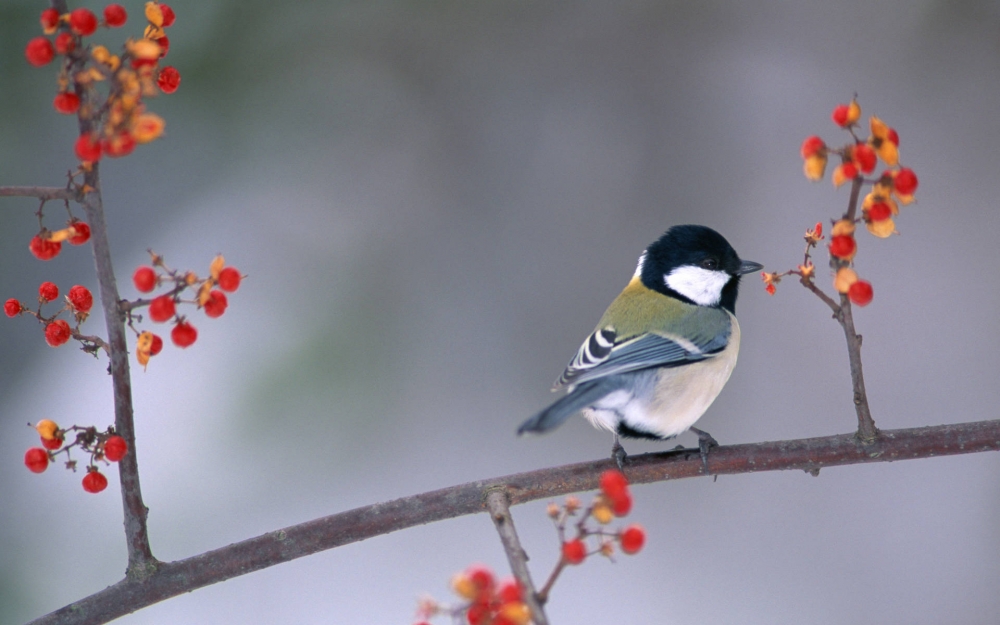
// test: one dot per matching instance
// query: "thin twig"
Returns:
(499, 509)
(810, 455)
(42, 193)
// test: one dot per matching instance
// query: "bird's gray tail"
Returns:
(583, 395)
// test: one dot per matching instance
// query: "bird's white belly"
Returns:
(676, 398)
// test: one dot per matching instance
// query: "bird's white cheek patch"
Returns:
(701, 286)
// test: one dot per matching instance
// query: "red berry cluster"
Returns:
(858, 158)
(47, 244)
(485, 601)
(615, 500)
(163, 307)
(119, 118)
(78, 302)
(102, 446)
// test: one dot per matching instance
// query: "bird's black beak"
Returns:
(748, 266)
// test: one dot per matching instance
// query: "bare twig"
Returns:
(42, 193)
(499, 509)
(811, 454)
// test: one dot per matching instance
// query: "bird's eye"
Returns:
(710, 263)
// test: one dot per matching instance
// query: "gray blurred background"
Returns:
(434, 202)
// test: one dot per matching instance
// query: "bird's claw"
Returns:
(705, 442)
(618, 455)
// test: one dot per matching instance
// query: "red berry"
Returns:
(94, 481)
(12, 307)
(621, 506)
(861, 293)
(57, 333)
(82, 233)
(39, 51)
(811, 146)
(144, 279)
(115, 448)
(574, 551)
(81, 299)
(115, 15)
(216, 304)
(88, 147)
(840, 115)
(478, 614)
(83, 22)
(119, 144)
(905, 181)
(50, 21)
(65, 43)
(48, 292)
(44, 249)
(162, 308)
(893, 136)
(614, 484)
(169, 79)
(632, 539)
(51, 443)
(510, 591)
(229, 279)
(164, 45)
(850, 170)
(879, 211)
(842, 246)
(66, 103)
(865, 157)
(157, 345)
(482, 579)
(183, 334)
(168, 15)
(36, 459)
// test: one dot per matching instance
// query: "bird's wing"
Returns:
(605, 353)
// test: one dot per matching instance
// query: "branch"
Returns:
(810, 454)
(42, 193)
(496, 503)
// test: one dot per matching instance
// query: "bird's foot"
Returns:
(705, 442)
(618, 455)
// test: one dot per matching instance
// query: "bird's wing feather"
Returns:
(604, 353)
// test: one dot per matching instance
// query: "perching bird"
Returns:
(664, 348)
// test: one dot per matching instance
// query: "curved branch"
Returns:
(810, 454)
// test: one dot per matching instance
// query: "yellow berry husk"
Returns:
(888, 152)
(144, 49)
(62, 235)
(147, 127)
(153, 32)
(204, 293)
(572, 504)
(814, 167)
(154, 14)
(882, 229)
(844, 226)
(905, 200)
(879, 128)
(100, 54)
(602, 513)
(516, 612)
(47, 429)
(218, 263)
(552, 510)
(853, 112)
(807, 271)
(463, 586)
(844, 279)
(607, 549)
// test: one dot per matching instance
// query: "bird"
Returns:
(664, 348)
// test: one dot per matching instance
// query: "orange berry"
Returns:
(162, 308)
(94, 481)
(39, 51)
(48, 292)
(183, 334)
(861, 293)
(47, 428)
(36, 459)
(82, 22)
(632, 539)
(12, 307)
(574, 551)
(81, 299)
(115, 448)
(57, 333)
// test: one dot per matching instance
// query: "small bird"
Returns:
(664, 348)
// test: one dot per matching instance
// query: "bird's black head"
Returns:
(695, 264)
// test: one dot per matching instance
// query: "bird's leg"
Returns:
(618, 454)
(705, 442)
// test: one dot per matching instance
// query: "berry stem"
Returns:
(499, 508)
